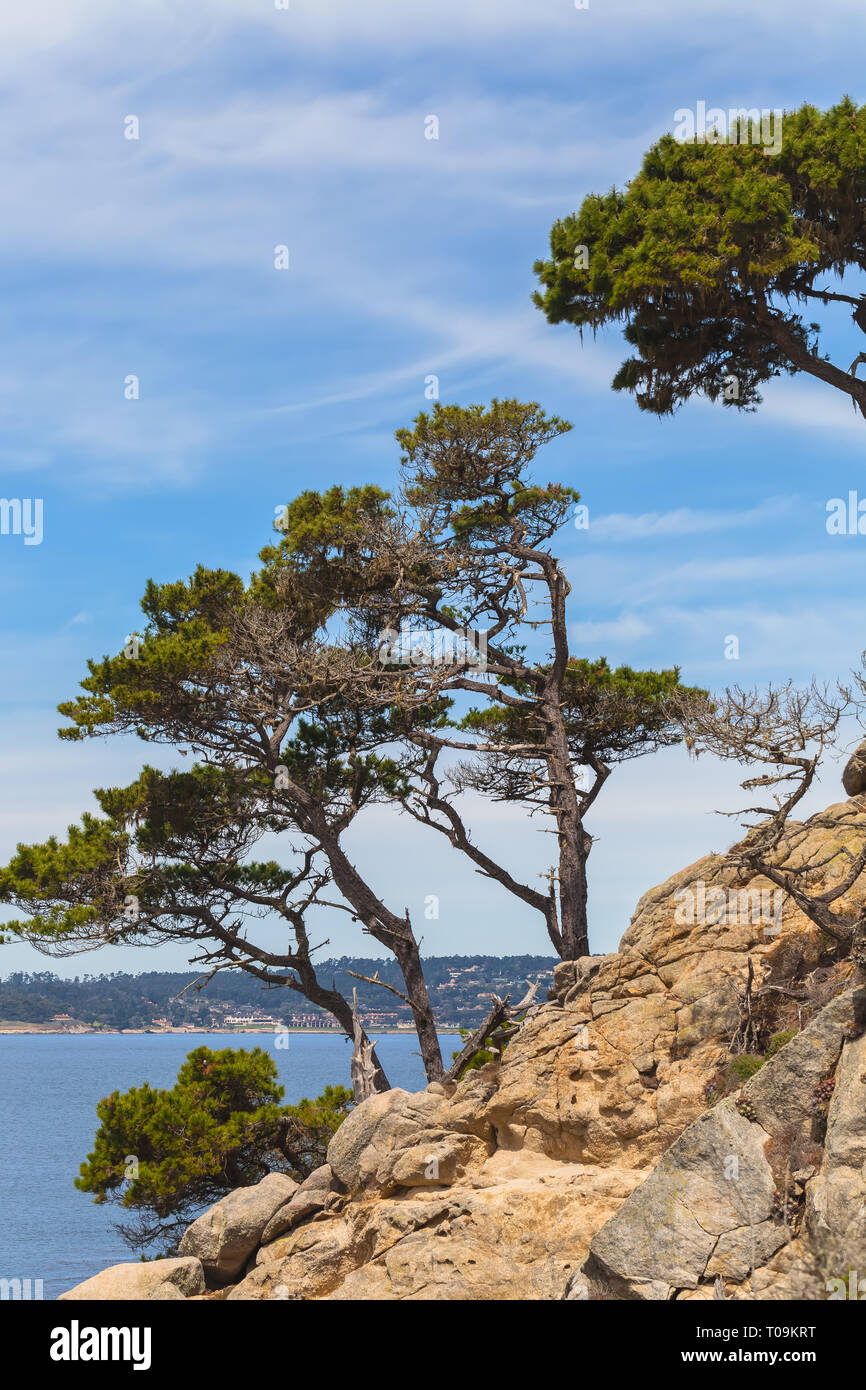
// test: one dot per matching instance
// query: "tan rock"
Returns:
(311, 1197)
(518, 1232)
(586, 1164)
(400, 1140)
(149, 1281)
(854, 775)
(790, 1276)
(225, 1236)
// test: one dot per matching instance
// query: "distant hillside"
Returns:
(460, 989)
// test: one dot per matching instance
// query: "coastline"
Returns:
(8, 1028)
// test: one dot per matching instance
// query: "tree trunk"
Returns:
(253, 960)
(339, 1007)
(565, 801)
(364, 1063)
(374, 1073)
(409, 958)
(573, 923)
(392, 932)
(573, 840)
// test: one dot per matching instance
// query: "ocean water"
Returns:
(49, 1087)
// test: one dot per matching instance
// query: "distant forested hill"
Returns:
(460, 988)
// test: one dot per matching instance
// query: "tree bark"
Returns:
(809, 362)
(364, 1064)
(395, 933)
(255, 960)
(565, 801)
(409, 958)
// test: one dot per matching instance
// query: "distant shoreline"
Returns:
(11, 1029)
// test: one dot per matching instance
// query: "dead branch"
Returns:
(476, 1042)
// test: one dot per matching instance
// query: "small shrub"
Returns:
(780, 1203)
(789, 1150)
(777, 1042)
(742, 1067)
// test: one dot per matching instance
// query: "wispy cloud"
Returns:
(688, 521)
(624, 630)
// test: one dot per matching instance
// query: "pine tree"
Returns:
(707, 254)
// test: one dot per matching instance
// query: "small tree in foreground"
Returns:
(164, 1155)
(707, 254)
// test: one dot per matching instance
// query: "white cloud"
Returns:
(687, 521)
(798, 403)
(387, 26)
(625, 629)
(713, 573)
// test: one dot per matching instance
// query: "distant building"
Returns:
(257, 1020)
(312, 1021)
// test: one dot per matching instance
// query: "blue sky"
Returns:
(306, 127)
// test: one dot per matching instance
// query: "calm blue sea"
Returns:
(49, 1087)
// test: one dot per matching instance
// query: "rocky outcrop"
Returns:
(713, 1186)
(159, 1280)
(713, 1205)
(597, 1160)
(854, 775)
(311, 1196)
(510, 1232)
(397, 1139)
(836, 1203)
(225, 1236)
(782, 1093)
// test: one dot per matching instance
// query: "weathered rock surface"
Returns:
(587, 1164)
(310, 1198)
(514, 1232)
(714, 1183)
(708, 1207)
(854, 775)
(836, 1205)
(781, 1092)
(428, 1139)
(155, 1280)
(225, 1236)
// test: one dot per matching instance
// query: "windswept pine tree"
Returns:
(712, 252)
(303, 707)
(466, 553)
(286, 730)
